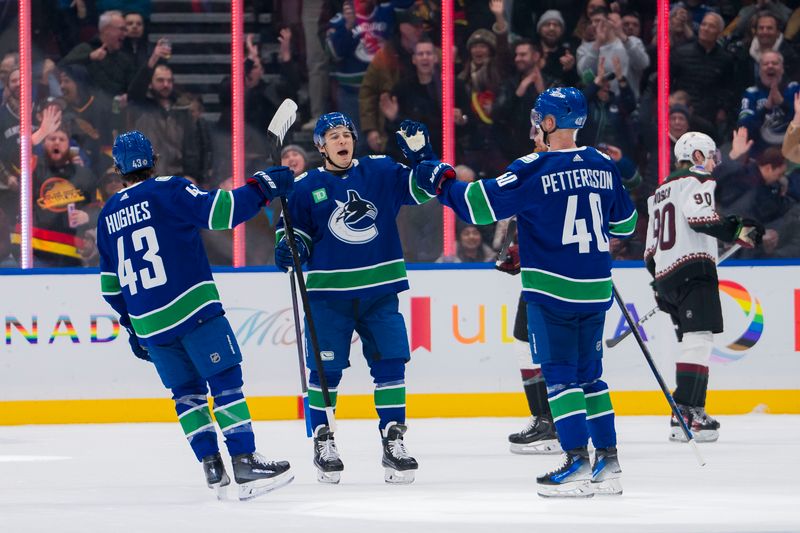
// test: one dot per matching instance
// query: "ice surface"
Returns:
(143, 478)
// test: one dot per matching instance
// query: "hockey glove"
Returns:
(431, 175)
(283, 254)
(509, 265)
(750, 233)
(137, 349)
(414, 141)
(273, 182)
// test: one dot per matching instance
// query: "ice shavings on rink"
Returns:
(142, 477)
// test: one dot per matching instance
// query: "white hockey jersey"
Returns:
(678, 210)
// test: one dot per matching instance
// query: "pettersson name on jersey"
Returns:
(128, 215)
(568, 180)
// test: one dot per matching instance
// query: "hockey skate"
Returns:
(399, 466)
(216, 476)
(326, 456)
(256, 475)
(573, 479)
(703, 427)
(606, 472)
(538, 437)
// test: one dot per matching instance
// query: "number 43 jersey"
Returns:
(153, 268)
(679, 210)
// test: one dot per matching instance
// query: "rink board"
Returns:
(63, 358)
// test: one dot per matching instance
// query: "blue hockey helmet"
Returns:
(566, 104)
(132, 151)
(329, 121)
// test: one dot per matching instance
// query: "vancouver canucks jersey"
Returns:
(153, 268)
(680, 211)
(347, 220)
(568, 204)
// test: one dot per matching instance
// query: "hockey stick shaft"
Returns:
(507, 239)
(657, 374)
(610, 343)
(312, 330)
(300, 358)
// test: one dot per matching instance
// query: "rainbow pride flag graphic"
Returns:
(751, 307)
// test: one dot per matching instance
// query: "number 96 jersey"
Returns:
(153, 268)
(677, 210)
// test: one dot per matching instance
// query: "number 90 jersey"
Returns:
(680, 205)
(569, 204)
(153, 268)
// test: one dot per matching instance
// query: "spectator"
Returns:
(470, 247)
(87, 117)
(417, 97)
(791, 141)
(767, 107)
(734, 175)
(512, 112)
(478, 86)
(696, 123)
(167, 122)
(525, 15)
(110, 67)
(391, 63)
(584, 31)
(697, 10)
(609, 42)
(704, 70)
(316, 63)
(678, 125)
(767, 201)
(9, 62)
(608, 113)
(739, 26)
(294, 157)
(67, 19)
(355, 36)
(768, 36)
(465, 173)
(680, 27)
(136, 38)
(559, 61)
(64, 205)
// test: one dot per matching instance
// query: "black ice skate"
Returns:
(606, 472)
(703, 427)
(573, 479)
(399, 466)
(326, 456)
(216, 477)
(538, 437)
(256, 475)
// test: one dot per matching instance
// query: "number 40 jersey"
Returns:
(153, 268)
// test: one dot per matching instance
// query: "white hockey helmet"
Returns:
(695, 141)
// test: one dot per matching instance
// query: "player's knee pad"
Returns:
(229, 379)
(559, 375)
(191, 388)
(387, 370)
(590, 370)
(332, 377)
(594, 387)
(522, 349)
(696, 347)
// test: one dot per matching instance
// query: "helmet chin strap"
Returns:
(546, 133)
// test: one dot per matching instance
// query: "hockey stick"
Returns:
(657, 374)
(507, 240)
(300, 359)
(610, 343)
(281, 122)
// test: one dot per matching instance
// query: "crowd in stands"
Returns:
(734, 72)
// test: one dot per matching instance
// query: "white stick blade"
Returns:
(283, 119)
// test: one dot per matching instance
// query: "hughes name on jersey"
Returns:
(347, 221)
(568, 204)
(153, 268)
(684, 226)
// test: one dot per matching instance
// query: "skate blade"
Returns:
(607, 487)
(331, 478)
(222, 491)
(259, 487)
(571, 489)
(542, 447)
(398, 477)
(706, 435)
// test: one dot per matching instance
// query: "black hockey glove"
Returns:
(137, 349)
(510, 264)
(750, 233)
(273, 182)
(283, 254)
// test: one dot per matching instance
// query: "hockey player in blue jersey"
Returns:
(344, 221)
(569, 202)
(154, 272)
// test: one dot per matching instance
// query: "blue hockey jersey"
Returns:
(568, 203)
(348, 223)
(153, 268)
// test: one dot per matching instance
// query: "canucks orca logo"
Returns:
(353, 221)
